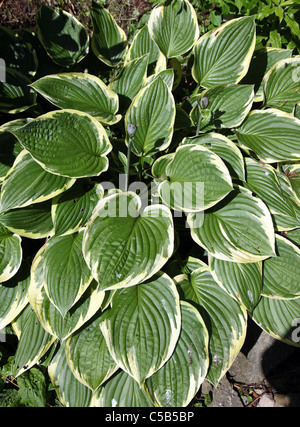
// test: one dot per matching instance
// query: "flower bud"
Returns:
(131, 129)
(203, 102)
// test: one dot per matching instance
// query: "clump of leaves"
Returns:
(149, 203)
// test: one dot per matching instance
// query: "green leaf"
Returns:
(174, 27)
(65, 282)
(153, 113)
(142, 44)
(88, 356)
(80, 91)
(160, 165)
(262, 60)
(49, 316)
(284, 222)
(241, 281)
(33, 344)
(14, 295)
(10, 148)
(70, 391)
(223, 55)
(293, 24)
(294, 236)
(109, 41)
(228, 106)
(129, 82)
(67, 142)
(33, 388)
(72, 209)
(281, 274)
(275, 39)
(263, 180)
(27, 183)
(279, 318)
(10, 253)
(123, 391)
(124, 245)
(293, 173)
(272, 134)
(33, 222)
(224, 148)
(177, 382)
(282, 82)
(166, 75)
(15, 94)
(64, 38)
(240, 230)
(196, 179)
(143, 325)
(225, 319)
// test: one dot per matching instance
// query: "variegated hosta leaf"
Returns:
(123, 391)
(72, 209)
(166, 75)
(10, 149)
(66, 273)
(124, 245)
(128, 84)
(292, 171)
(88, 356)
(264, 181)
(223, 55)
(193, 264)
(279, 318)
(225, 318)
(142, 44)
(282, 83)
(294, 236)
(262, 60)
(228, 105)
(34, 342)
(160, 165)
(80, 91)
(10, 253)
(109, 41)
(272, 134)
(223, 147)
(196, 179)
(177, 382)
(71, 392)
(33, 222)
(65, 39)
(15, 94)
(27, 183)
(240, 231)
(174, 27)
(14, 125)
(14, 295)
(285, 223)
(49, 316)
(18, 323)
(142, 327)
(241, 281)
(281, 274)
(67, 142)
(153, 113)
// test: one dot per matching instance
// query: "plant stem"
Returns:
(198, 124)
(128, 164)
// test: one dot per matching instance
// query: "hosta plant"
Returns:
(150, 202)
